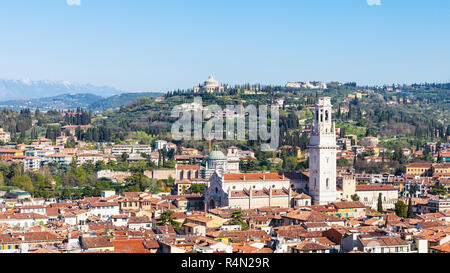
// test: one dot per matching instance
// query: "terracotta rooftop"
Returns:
(252, 176)
(375, 188)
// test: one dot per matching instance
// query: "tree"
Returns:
(166, 219)
(197, 188)
(66, 194)
(2, 179)
(24, 182)
(413, 189)
(124, 157)
(439, 158)
(355, 197)
(380, 203)
(237, 219)
(400, 170)
(400, 209)
(290, 163)
(138, 182)
(70, 143)
(342, 162)
(438, 190)
(410, 213)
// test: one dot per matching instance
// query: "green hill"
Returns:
(123, 99)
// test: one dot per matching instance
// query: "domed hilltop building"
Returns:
(210, 85)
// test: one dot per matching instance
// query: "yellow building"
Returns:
(353, 209)
(418, 168)
(10, 204)
(9, 244)
(441, 168)
(183, 186)
(189, 151)
(209, 221)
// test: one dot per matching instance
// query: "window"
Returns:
(328, 183)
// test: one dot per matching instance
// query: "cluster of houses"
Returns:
(43, 151)
(238, 212)
(134, 223)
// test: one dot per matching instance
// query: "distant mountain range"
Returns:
(72, 101)
(28, 89)
(46, 95)
(64, 101)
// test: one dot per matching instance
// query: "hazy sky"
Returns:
(160, 45)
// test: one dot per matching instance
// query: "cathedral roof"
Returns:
(253, 176)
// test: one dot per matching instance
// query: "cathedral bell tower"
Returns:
(322, 155)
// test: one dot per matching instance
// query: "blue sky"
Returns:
(160, 45)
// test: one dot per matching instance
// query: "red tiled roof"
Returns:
(375, 188)
(419, 165)
(188, 167)
(253, 176)
(348, 205)
(131, 246)
(96, 242)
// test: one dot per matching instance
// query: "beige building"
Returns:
(368, 195)
(85, 158)
(187, 172)
(370, 141)
(61, 140)
(5, 137)
(347, 185)
(249, 191)
(161, 174)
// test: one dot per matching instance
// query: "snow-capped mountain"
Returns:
(28, 89)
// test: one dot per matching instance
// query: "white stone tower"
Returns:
(322, 155)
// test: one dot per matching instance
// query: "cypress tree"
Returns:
(410, 213)
(380, 203)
